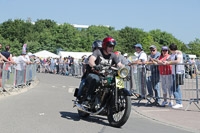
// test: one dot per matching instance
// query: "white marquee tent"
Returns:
(46, 54)
(77, 55)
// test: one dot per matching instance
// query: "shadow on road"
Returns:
(70, 116)
(92, 119)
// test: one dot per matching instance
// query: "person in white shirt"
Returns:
(141, 72)
(176, 58)
(21, 63)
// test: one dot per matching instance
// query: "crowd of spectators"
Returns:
(160, 66)
(19, 63)
(64, 66)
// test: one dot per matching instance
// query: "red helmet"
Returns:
(108, 41)
(116, 52)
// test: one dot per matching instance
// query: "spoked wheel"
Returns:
(118, 118)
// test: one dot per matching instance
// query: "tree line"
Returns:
(46, 34)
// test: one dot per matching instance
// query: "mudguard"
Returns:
(76, 92)
(125, 91)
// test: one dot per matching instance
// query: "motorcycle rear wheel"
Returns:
(118, 119)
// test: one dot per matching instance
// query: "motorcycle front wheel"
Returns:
(118, 118)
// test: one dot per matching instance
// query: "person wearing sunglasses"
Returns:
(153, 80)
(165, 75)
(98, 59)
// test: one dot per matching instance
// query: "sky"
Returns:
(181, 18)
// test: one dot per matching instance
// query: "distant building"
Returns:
(79, 27)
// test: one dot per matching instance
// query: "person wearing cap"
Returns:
(165, 75)
(153, 80)
(126, 59)
(30, 56)
(139, 71)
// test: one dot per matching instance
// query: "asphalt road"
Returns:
(47, 108)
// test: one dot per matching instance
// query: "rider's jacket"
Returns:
(102, 59)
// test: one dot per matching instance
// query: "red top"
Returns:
(165, 69)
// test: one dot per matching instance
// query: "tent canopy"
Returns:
(77, 55)
(46, 54)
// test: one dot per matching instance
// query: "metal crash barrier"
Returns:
(145, 79)
(158, 82)
(16, 76)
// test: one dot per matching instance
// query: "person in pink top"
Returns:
(166, 75)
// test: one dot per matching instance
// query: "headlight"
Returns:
(123, 72)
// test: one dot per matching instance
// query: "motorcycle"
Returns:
(110, 99)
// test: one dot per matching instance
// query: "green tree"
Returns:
(128, 37)
(195, 47)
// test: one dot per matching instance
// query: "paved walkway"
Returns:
(188, 120)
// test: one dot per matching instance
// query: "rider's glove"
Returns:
(97, 68)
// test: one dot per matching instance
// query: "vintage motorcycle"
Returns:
(110, 99)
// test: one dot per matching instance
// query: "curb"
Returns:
(21, 90)
(160, 121)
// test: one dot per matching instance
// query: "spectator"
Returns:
(57, 65)
(83, 63)
(21, 62)
(165, 75)
(31, 58)
(8, 58)
(1, 63)
(126, 59)
(141, 72)
(61, 66)
(177, 70)
(14, 57)
(153, 80)
(198, 64)
(7, 53)
(52, 66)
(120, 57)
(72, 67)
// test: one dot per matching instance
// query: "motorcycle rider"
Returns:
(95, 45)
(100, 57)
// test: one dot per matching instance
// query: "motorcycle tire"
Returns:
(83, 114)
(125, 116)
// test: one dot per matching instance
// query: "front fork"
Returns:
(116, 99)
(118, 92)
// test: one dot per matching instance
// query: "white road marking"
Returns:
(71, 90)
(63, 86)
(53, 86)
(157, 110)
(41, 114)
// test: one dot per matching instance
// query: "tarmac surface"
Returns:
(188, 120)
(185, 119)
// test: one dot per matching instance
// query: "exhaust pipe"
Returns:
(81, 108)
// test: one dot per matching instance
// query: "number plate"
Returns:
(119, 82)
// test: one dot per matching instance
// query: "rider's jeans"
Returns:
(81, 87)
(92, 81)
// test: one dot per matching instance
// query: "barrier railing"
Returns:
(14, 76)
(145, 79)
(159, 82)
